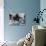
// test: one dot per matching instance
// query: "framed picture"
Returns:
(17, 19)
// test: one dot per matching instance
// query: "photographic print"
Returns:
(17, 19)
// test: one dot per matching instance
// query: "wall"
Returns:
(43, 6)
(29, 7)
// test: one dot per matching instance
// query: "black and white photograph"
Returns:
(17, 19)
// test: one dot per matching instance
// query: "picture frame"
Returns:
(17, 18)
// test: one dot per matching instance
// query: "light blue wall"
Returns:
(43, 6)
(29, 7)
